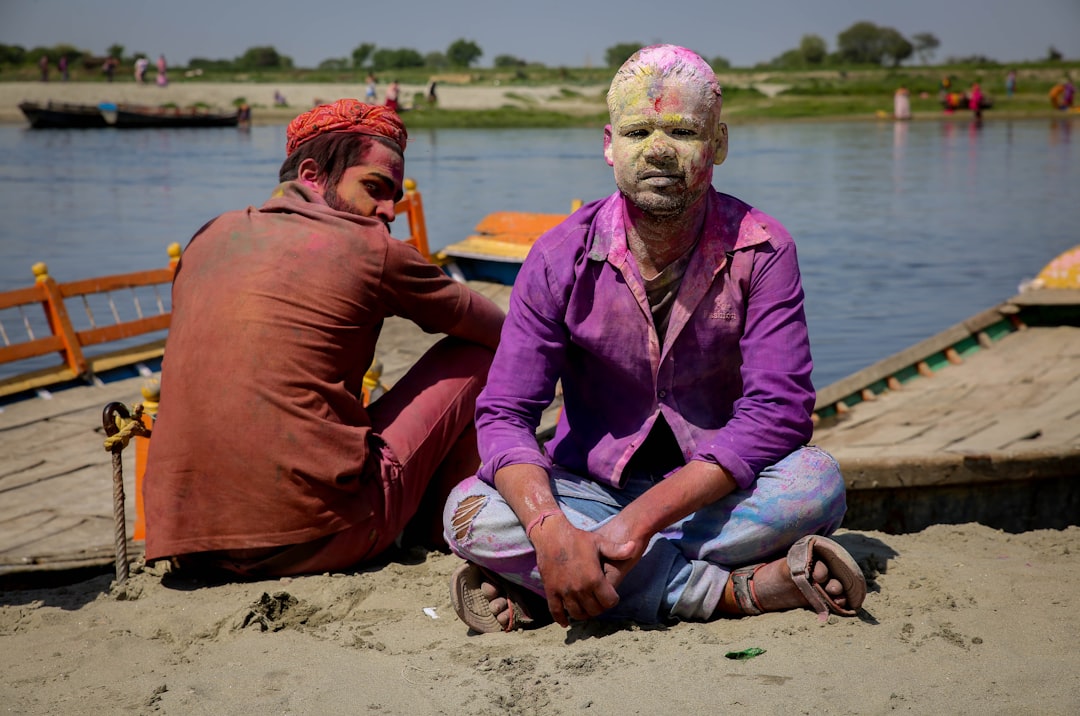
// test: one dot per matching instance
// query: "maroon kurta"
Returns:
(261, 439)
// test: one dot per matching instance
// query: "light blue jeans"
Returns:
(685, 567)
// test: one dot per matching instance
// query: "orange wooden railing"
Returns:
(411, 207)
(66, 339)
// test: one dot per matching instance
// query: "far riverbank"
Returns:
(582, 101)
(475, 105)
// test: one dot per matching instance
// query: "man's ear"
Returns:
(721, 144)
(308, 173)
(607, 146)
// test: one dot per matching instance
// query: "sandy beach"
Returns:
(959, 620)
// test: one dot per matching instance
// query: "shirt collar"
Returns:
(295, 197)
(730, 224)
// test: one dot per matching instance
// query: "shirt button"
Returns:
(662, 393)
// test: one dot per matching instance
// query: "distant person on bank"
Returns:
(902, 103)
(162, 72)
(141, 66)
(264, 460)
(678, 484)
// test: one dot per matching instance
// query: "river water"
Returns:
(903, 229)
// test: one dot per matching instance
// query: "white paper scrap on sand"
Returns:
(430, 611)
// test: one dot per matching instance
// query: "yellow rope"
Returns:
(128, 427)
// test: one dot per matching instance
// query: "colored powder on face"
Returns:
(651, 66)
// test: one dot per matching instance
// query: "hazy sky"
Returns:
(573, 33)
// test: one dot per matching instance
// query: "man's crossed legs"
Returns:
(686, 571)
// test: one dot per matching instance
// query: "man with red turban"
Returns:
(264, 460)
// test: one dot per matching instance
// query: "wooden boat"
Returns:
(56, 115)
(60, 115)
(132, 116)
(979, 423)
(499, 246)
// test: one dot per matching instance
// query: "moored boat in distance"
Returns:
(132, 116)
(62, 115)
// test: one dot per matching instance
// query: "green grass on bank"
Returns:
(1031, 76)
(748, 109)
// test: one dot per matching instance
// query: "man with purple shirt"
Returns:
(678, 484)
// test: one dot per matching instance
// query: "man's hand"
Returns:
(572, 565)
(618, 531)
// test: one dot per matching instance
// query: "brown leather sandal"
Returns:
(800, 560)
(473, 608)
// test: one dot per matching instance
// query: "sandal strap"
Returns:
(742, 586)
(515, 601)
(800, 562)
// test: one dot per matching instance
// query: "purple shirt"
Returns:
(731, 378)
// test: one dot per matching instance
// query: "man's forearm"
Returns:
(527, 490)
(483, 323)
(692, 487)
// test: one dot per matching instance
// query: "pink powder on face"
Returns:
(671, 58)
(652, 65)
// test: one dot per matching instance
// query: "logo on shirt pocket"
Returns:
(722, 311)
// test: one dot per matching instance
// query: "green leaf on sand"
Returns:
(745, 653)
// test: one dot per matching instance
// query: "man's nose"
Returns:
(384, 210)
(658, 146)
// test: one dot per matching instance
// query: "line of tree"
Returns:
(16, 55)
(461, 54)
(863, 43)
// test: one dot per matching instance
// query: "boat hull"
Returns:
(165, 118)
(52, 115)
(479, 269)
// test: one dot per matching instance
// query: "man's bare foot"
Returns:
(497, 603)
(775, 590)
(487, 603)
(832, 581)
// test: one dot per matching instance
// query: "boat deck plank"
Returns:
(1017, 398)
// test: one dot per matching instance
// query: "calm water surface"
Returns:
(903, 229)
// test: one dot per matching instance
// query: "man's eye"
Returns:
(637, 133)
(680, 132)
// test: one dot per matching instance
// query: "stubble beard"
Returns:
(664, 207)
(330, 196)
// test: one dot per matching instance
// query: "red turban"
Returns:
(345, 115)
